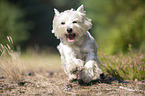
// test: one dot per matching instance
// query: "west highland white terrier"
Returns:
(77, 47)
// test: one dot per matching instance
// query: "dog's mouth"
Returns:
(70, 37)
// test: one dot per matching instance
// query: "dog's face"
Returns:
(70, 25)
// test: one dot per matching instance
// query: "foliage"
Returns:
(117, 23)
(125, 66)
(12, 23)
(65, 4)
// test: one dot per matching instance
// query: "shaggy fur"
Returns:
(77, 47)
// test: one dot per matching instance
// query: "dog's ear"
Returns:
(71, 9)
(56, 11)
(81, 9)
(52, 31)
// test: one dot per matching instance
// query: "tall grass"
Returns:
(13, 69)
(9, 62)
(128, 66)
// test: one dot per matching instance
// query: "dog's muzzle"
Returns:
(70, 35)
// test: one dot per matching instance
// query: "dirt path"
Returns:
(55, 83)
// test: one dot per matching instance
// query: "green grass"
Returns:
(129, 66)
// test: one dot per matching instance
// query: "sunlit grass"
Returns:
(10, 64)
(40, 62)
(129, 66)
(16, 65)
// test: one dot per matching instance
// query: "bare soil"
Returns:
(55, 83)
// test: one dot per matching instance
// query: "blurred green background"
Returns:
(117, 24)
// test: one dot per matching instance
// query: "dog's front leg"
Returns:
(73, 66)
(70, 62)
(91, 69)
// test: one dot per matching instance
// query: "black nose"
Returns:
(69, 30)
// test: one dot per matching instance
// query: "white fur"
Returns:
(81, 53)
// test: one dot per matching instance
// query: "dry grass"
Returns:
(41, 62)
(15, 68)
(49, 78)
(9, 62)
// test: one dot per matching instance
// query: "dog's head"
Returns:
(70, 25)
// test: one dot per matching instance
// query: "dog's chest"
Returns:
(80, 52)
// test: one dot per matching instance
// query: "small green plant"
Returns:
(128, 66)
(9, 63)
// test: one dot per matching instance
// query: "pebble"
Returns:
(21, 83)
(30, 74)
(51, 73)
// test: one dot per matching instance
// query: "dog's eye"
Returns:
(62, 23)
(74, 22)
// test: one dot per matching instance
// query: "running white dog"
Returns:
(77, 47)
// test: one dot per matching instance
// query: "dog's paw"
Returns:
(92, 71)
(72, 77)
(87, 76)
(79, 64)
